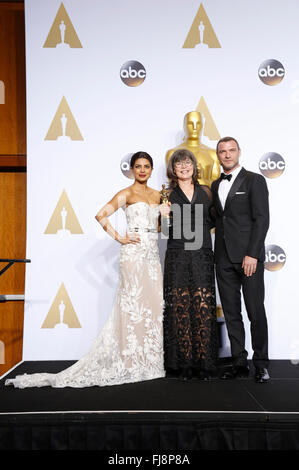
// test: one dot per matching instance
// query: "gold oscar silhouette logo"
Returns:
(201, 34)
(64, 220)
(210, 130)
(2, 92)
(64, 126)
(61, 314)
(62, 33)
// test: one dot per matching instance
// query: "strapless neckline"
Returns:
(153, 206)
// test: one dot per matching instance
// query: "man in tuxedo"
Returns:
(242, 221)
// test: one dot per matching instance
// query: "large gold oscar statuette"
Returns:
(165, 200)
(207, 161)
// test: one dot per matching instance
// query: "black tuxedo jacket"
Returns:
(243, 223)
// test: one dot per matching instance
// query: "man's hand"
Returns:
(249, 265)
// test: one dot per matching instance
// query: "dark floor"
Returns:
(280, 395)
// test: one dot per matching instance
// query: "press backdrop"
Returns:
(108, 78)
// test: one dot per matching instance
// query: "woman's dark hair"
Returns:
(178, 156)
(137, 155)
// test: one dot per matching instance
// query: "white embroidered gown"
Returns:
(130, 346)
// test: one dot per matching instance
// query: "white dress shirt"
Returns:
(225, 185)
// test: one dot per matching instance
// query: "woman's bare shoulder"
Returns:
(155, 194)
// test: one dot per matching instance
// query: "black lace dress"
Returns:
(190, 324)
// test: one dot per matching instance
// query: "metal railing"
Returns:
(10, 262)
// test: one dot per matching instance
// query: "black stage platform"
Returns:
(161, 415)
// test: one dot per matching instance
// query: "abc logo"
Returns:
(275, 258)
(125, 166)
(272, 165)
(271, 72)
(132, 73)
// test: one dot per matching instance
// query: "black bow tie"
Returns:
(223, 176)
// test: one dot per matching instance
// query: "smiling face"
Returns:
(184, 169)
(228, 155)
(142, 170)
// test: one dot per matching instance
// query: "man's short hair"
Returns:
(227, 139)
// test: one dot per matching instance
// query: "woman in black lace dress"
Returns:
(190, 328)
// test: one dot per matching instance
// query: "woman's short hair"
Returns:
(137, 155)
(179, 156)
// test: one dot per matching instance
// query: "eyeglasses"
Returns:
(185, 163)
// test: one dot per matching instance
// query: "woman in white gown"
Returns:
(130, 346)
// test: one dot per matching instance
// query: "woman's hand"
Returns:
(165, 209)
(130, 238)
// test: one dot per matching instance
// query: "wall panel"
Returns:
(12, 178)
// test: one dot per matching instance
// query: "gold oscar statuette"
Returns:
(207, 161)
(164, 200)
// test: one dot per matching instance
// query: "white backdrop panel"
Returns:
(115, 119)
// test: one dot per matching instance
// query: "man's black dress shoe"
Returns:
(235, 372)
(261, 375)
